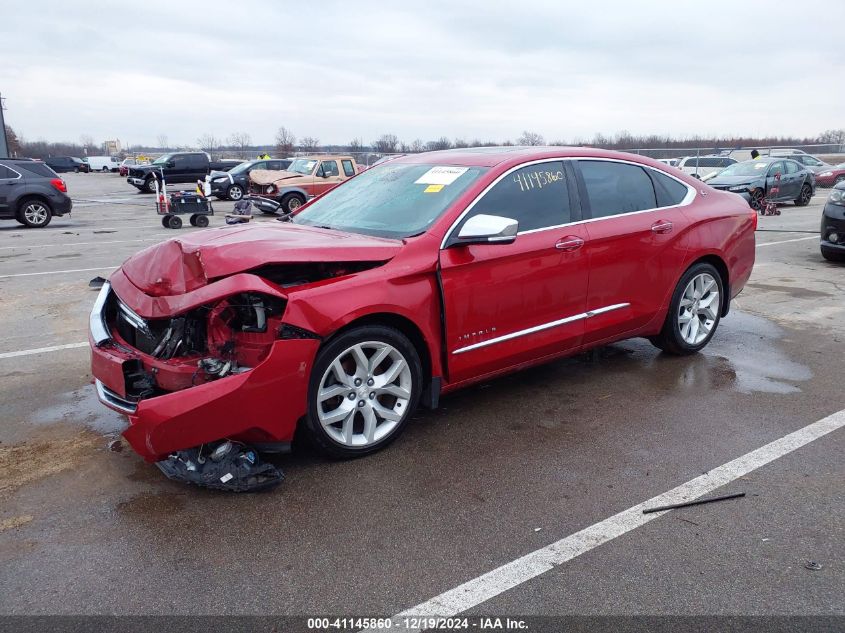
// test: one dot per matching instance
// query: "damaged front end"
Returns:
(227, 368)
(189, 337)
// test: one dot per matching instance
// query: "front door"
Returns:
(791, 180)
(635, 248)
(507, 304)
(328, 177)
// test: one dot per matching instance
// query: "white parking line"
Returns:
(510, 575)
(146, 239)
(59, 272)
(42, 350)
(797, 239)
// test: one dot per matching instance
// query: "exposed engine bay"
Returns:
(205, 344)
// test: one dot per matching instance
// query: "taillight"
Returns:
(753, 219)
(59, 185)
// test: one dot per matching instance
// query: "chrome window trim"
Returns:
(691, 194)
(19, 175)
(539, 328)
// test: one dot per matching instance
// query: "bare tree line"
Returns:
(240, 145)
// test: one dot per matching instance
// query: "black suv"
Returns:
(61, 164)
(31, 192)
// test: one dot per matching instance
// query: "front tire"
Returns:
(363, 389)
(694, 312)
(150, 185)
(291, 202)
(235, 193)
(805, 196)
(34, 213)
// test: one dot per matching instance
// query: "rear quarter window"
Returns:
(38, 169)
(669, 191)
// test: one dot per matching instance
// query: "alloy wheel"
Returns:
(806, 194)
(294, 204)
(235, 193)
(698, 309)
(364, 394)
(36, 214)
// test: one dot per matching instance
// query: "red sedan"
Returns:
(428, 274)
(831, 177)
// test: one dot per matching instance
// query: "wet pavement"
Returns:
(498, 471)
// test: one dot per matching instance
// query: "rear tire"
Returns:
(805, 196)
(364, 386)
(291, 202)
(200, 221)
(174, 222)
(692, 318)
(34, 213)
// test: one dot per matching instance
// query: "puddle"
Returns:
(81, 407)
(743, 356)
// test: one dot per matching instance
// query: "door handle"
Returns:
(569, 243)
(662, 226)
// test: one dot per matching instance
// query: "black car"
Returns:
(774, 177)
(833, 225)
(61, 164)
(31, 192)
(233, 184)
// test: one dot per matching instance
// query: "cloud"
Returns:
(338, 70)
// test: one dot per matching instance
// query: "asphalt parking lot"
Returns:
(498, 472)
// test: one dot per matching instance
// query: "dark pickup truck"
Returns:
(177, 168)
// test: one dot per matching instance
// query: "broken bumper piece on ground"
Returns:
(227, 466)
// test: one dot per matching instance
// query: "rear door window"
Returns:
(536, 196)
(616, 188)
(348, 169)
(792, 167)
(5, 172)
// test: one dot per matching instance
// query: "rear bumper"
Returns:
(61, 205)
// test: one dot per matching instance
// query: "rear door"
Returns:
(9, 180)
(634, 247)
(507, 304)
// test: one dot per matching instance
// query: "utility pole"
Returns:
(4, 142)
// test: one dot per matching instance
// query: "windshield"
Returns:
(392, 201)
(242, 167)
(302, 166)
(747, 168)
(161, 160)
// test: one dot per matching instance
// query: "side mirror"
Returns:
(170, 164)
(488, 229)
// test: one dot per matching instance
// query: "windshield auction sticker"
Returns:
(441, 175)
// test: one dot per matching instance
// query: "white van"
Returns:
(103, 163)
(701, 166)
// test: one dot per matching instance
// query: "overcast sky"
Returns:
(488, 70)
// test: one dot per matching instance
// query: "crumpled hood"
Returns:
(269, 176)
(186, 263)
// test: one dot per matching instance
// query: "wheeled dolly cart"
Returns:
(170, 207)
